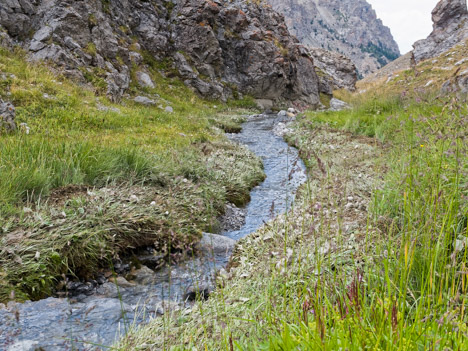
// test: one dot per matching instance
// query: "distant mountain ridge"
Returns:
(350, 27)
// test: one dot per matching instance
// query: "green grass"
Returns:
(79, 138)
(411, 294)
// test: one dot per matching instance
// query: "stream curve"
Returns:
(95, 322)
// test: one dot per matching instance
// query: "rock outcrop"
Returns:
(219, 48)
(450, 28)
(457, 84)
(350, 27)
(335, 71)
(7, 117)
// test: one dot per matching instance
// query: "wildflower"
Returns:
(422, 145)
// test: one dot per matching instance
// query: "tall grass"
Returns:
(32, 167)
(411, 293)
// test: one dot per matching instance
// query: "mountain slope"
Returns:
(218, 48)
(350, 27)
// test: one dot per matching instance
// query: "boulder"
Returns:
(122, 282)
(143, 275)
(144, 80)
(109, 290)
(338, 105)
(7, 116)
(198, 291)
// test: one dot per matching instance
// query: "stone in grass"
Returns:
(7, 116)
(169, 109)
(338, 105)
(144, 80)
(144, 101)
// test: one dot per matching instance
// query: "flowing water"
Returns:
(95, 321)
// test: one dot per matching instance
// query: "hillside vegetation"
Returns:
(374, 254)
(83, 179)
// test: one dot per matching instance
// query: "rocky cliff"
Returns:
(350, 27)
(219, 48)
(450, 28)
(335, 71)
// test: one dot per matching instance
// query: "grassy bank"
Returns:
(83, 179)
(374, 255)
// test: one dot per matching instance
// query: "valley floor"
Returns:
(373, 256)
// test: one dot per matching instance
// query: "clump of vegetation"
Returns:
(178, 165)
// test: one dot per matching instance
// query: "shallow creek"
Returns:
(96, 321)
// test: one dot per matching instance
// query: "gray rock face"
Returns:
(5, 39)
(219, 48)
(450, 28)
(7, 117)
(340, 71)
(350, 27)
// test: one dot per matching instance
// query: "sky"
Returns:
(409, 20)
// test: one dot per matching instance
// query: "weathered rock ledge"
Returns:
(450, 19)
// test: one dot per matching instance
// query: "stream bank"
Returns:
(274, 272)
(96, 321)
